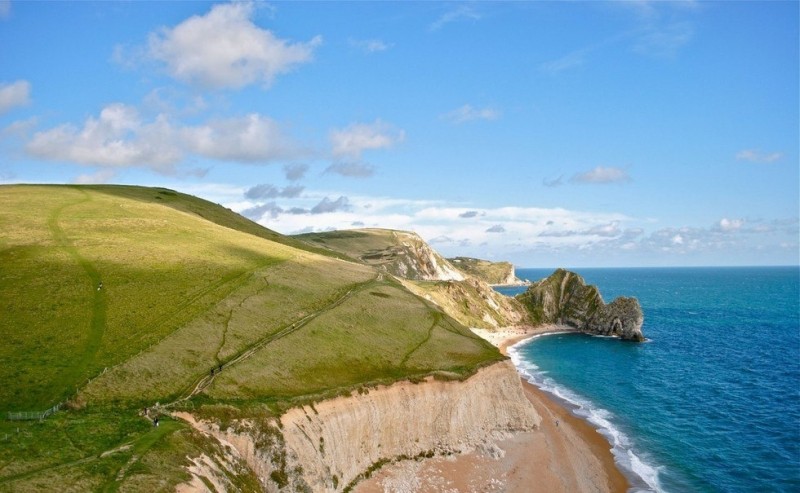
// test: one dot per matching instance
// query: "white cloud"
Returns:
(467, 113)
(726, 224)
(602, 175)
(14, 94)
(100, 176)
(253, 138)
(225, 49)
(756, 156)
(461, 13)
(119, 137)
(116, 138)
(353, 140)
(370, 46)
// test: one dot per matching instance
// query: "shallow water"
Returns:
(712, 401)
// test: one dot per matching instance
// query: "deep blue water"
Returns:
(712, 401)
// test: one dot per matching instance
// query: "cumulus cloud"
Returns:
(756, 156)
(468, 113)
(352, 141)
(355, 169)
(267, 191)
(14, 94)
(252, 138)
(370, 46)
(295, 171)
(602, 175)
(225, 49)
(119, 137)
(497, 228)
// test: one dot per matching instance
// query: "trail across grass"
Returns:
(78, 370)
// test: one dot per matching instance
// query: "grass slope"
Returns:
(187, 287)
(486, 271)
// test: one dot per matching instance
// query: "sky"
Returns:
(572, 134)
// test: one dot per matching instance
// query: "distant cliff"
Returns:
(400, 253)
(564, 298)
(486, 271)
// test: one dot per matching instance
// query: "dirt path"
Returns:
(79, 371)
(207, 379)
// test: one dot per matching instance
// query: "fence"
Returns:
(31, 415)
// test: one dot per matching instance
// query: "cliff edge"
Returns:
(564, 298)
(496, 273)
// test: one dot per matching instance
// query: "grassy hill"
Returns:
(115, 298)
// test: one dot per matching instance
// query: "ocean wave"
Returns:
(644, 476)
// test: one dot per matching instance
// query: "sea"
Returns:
(711, 401)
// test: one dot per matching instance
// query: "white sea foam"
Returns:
(639, 471)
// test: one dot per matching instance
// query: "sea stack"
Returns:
(565, 299)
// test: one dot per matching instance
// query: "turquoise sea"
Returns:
(712, 401)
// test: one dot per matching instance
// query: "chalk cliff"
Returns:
(332, 444)
(564, 298)
(501, 273)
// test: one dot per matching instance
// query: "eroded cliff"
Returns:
(332, 444)
(564, 298)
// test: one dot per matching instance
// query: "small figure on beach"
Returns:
(556, 423)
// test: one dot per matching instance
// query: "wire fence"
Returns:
(32, 415)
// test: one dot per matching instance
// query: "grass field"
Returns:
(187, 287)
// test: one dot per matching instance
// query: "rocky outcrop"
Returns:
(497, 273)
(565, 299)
(329, 445)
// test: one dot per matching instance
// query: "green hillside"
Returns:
(115, 298)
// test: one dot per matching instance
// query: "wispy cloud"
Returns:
(602, 175)
(354, 169)
(460, 13)
(98, 177)
(468, 113)
(5, 8)
(222, 49)
(554, 182)
(370, 46)
(756, 156)
(14, 94)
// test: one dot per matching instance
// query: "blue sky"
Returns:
(545, 133)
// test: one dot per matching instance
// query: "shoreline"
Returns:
(565, 454)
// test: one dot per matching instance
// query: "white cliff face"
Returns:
(329, 445)
(343, 437)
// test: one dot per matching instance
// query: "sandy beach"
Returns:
(566, 454)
